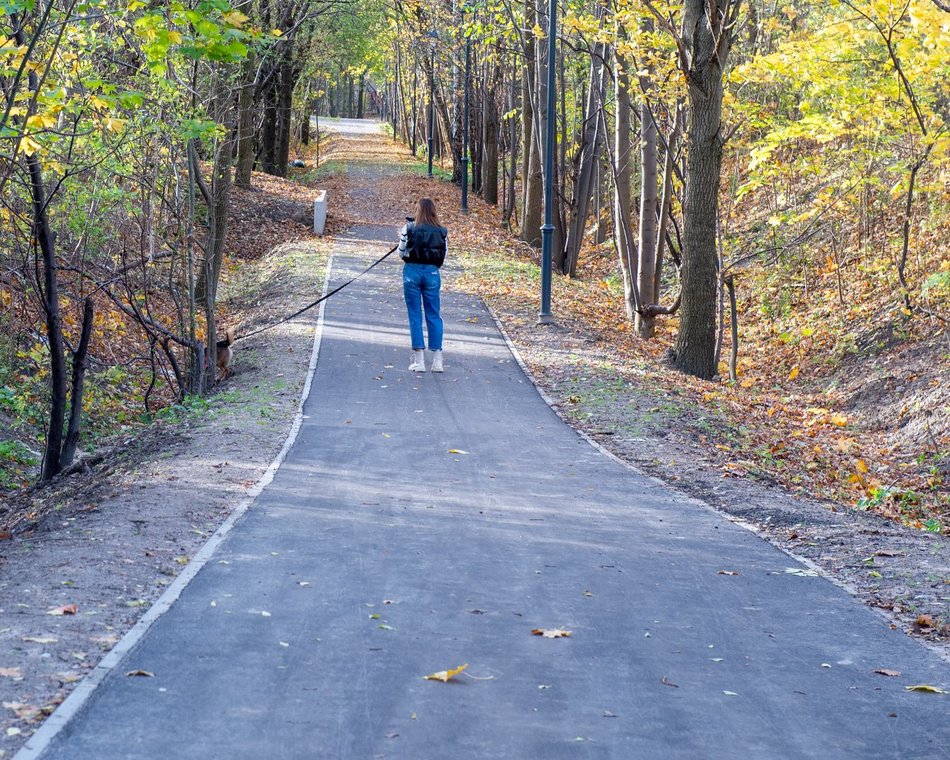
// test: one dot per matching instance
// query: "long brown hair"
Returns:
(426, 213)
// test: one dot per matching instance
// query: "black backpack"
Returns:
(425, 244)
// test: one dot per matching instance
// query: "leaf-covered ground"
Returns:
(110, 540)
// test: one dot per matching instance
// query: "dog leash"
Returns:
(321, 299)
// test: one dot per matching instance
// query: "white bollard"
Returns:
(320, 212)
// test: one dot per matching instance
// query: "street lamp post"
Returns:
(547, 229)
(434, 37)
(468, 60)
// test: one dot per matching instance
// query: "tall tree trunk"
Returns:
(513, 150)
(622, 197)
(269, 129)
(245, 150)
(696, 340)
(79, 375)
(43, 234)
(361, 92)
(585, 161)
(645, 323)
(285, 100)
(489, 162)
(533, 194)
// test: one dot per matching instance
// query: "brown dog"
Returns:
(225, 354)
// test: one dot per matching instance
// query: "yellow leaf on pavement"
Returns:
(445, 675)
(926, 687)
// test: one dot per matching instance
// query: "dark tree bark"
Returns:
(79, 376)
(704, 47)
(360, 94)
(490, 120)
(43, 234)
(245, 150)
(645, 324)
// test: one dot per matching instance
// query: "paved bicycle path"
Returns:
(377, 556)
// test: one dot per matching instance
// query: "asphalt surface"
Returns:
(425, 521)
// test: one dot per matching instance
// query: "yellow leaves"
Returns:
(29, 146)
(114, 125)
(794, 373)
(41, 121)
(861, 466)
(926, 687)
(235, 18)
(98, 102)
(838, 419)
(446, 675)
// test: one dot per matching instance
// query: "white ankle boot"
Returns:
(418, 361)
(437, 361)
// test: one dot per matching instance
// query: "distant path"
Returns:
(425, 521)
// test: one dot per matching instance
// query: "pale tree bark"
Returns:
(219, 199)
(622, 198)
(533, 197)
(588, 154)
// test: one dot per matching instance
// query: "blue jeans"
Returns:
(420, 286)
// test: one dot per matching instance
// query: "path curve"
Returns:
(425, 521)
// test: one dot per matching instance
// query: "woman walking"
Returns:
(422, 246)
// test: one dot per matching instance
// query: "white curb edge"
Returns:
(76, 701)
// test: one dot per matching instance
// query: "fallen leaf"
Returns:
(728, 572)
(730, 694)
(551, 633)
(11, 672)
(457, 451)
(667, 682)
(608, 714)
(386, 627)
(801, 571)
(927, 688)
(40, 639)
(13, 731)
(66, 609)
(141, 673)
(886, 672)
(445, 675)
